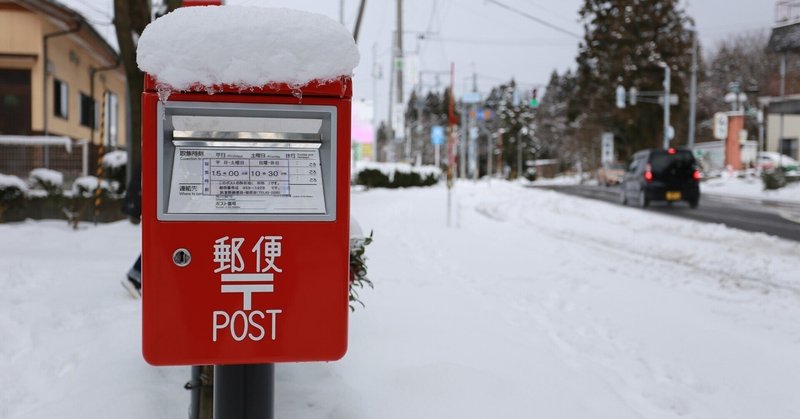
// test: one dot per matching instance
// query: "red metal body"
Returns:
(304, 319)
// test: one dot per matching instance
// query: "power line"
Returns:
(509, 42)
(535, 19)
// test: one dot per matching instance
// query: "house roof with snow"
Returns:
(66, 18)
(785, 38)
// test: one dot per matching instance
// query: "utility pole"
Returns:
(782, 92)
(693, 92)
(399, 52)
(375, 76)
(389, 122)
(473, 142)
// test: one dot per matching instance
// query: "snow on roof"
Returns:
(245, 47)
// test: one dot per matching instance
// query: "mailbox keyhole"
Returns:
(181, 257)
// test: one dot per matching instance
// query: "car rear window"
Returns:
(661, 162)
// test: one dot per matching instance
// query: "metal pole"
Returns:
(667, 74)
(375, 100)
(473, 146)
(783, 96)
(760, 135)
(244, 391)
(693, 92)
(462, 145)
(389, 128)
(194, 387)
(400, 51)
(519, 157)
(489, 155)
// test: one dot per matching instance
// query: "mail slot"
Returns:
(245, 211)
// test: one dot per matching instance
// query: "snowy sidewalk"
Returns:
(531, 304)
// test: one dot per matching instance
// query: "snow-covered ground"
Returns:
(531, 304)
(750, 187)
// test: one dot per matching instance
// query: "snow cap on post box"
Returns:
(244, 47)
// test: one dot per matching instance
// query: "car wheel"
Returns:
(643, 201)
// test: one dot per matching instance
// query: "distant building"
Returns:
(782, 119)
(58, 77)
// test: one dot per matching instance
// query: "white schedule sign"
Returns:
(239, 180)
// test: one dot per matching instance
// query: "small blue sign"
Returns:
(437, 135)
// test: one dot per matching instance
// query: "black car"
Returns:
(662, 175)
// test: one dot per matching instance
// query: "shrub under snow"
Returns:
(395, 175)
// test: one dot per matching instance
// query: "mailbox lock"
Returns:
(181, 257)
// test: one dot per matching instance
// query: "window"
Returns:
(60, 98)
(15, 102)
(88, 110)
(110, 136)
(788, 147)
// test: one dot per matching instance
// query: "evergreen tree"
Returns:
(624, 42)
(421, 114)
(514, 125)
(553, 127)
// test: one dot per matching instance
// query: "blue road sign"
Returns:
(437, 135)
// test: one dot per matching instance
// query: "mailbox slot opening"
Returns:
(246, 162)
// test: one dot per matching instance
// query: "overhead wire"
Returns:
(535, 19)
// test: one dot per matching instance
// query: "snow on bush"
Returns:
(244, 47)
(394, 175)
(12, 187)
(115, 159)
(46, 180)
(85, 186)
(389, 169)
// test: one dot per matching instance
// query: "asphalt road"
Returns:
(745, 215)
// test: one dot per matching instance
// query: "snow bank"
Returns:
(115, 159)
(245, 47)
(750, 187)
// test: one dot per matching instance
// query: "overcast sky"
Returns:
(481, 37)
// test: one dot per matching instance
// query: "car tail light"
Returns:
(648, 173)
(696, 175)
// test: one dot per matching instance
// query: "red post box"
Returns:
(245, 221)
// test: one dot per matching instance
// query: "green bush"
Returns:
(374, 178)
(774, 179)
(12, 193)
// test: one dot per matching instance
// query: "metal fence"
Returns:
(72, 160)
